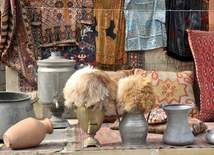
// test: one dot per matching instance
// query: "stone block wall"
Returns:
(2, 78)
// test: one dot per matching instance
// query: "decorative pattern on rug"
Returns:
(49, 147)
(202, 45)
(111, 140)
(24, 86)
(178, 21)
(17, 45)
(84, 54)
(136, 59)
(34, 15)
(204, 15)
(62, 21)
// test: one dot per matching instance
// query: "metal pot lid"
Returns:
(56, 60)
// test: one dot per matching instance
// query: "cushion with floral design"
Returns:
(195, 124)
(110, 115)
(172, 88)
(157, 115)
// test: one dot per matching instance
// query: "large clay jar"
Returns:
(27, 133)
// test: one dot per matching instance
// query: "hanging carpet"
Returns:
(110, 34)
(62, 21)
(204, 15)
(180, 19)
(17, 48)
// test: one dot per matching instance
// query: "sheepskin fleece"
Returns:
(90, 87)
(135, 92)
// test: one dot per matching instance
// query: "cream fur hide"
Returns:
(135, 92)
(90, 87)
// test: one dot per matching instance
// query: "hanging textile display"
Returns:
(145, 24)
(204, 15)
(84, 54)
(110, 34)
(211, 15)
(62, 21)
(136, 59)
(17, 48)
(33, 9)
(180, 19)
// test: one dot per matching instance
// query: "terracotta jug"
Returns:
(27, 133)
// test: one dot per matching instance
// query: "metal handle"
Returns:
(35, 101)
(193, 105)
(118, 115)
(29, 108)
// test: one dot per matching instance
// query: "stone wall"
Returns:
(2, 78)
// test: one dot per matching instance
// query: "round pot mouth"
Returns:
(13, 96)
(177, 107)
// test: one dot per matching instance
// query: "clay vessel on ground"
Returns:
(27, 133)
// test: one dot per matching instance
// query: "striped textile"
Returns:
(17, 47)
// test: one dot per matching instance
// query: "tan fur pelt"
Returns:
(89, 86)
(135, 92)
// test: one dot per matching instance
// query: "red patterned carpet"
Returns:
(111, 140)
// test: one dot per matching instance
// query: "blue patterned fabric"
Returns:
(145, 24)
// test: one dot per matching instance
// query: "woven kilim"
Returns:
(178, 21)
(204, 15)
(111, 140)
(17, 48)
(84, 54)
(136, 59)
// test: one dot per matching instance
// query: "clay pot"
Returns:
(27, 133)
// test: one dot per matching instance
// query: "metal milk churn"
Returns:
(178, 131)
(51, 76)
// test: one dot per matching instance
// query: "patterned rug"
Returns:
(204, 15)
(17, 48)
(178, 21)
(136, 59)
(202, 45)
(111, 140)
(49, 147)
(84, 54)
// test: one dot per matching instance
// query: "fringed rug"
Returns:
(49, 147)
(111, 140)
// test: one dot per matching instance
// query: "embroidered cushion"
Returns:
(157, 115)
(202, 45)
(110, 115)
(172, 88)
(195, 124)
